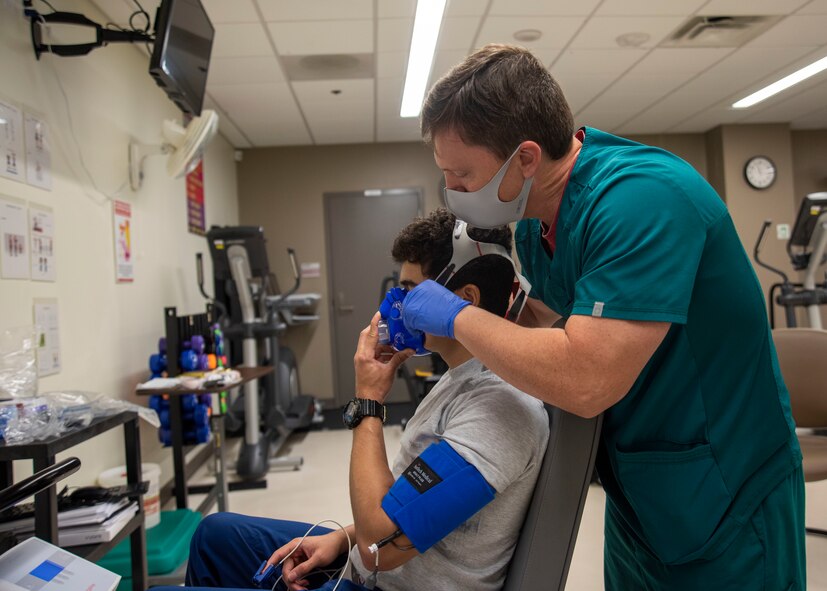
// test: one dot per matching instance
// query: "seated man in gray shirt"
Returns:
(491, 426)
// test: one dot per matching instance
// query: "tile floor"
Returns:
(319, 490)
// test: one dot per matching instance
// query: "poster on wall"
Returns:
(38, 153)
(42, 235)
(122, 220)
(48, 336)
(196, 216)
(14, 250)
(12, 158)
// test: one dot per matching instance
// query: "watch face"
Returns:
(351, 413)
(760, 172)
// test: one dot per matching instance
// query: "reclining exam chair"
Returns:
(546, 544)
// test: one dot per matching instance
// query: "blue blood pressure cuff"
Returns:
(435, 494)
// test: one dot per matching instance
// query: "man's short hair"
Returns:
(428, 242)
(498, 97)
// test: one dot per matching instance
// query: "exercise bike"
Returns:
(254, 316)
(806, 248)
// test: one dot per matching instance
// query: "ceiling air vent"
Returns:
(719, 31)
(328, 67)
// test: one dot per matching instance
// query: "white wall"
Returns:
(108, 330)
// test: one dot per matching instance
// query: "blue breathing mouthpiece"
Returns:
(392, 330)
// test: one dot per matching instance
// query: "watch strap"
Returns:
(372, 408)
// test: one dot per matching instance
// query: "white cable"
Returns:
(91, 179)
(307, 533)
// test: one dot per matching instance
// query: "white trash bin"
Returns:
(152, 499)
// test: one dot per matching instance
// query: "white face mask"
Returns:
(483, 208)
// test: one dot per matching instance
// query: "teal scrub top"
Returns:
(706, 431)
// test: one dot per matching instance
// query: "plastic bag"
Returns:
(18, 367)
(53, 413)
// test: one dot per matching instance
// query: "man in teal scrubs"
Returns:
(666, 331)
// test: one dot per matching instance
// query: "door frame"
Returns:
(326, 197)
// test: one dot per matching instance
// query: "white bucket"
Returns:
(152, 499)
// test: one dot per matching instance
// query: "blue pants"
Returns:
(227, 549)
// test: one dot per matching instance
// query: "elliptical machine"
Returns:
(272, 406)
(806, 248)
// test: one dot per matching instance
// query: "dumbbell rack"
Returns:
(178, 330)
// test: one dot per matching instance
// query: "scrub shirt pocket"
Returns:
(679, 498)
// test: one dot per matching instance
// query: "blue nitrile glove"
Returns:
(431, 308)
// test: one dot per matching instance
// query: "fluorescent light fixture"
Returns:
(421, 57)
(2, 121)
(783, 84)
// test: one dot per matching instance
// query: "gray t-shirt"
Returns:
(503, 433)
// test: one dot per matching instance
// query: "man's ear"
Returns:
(529, 157)
(470, 293)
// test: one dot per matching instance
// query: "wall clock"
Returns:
(759, 172)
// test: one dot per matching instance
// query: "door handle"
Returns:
(341, 307)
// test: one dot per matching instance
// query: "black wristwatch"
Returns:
(358, 408)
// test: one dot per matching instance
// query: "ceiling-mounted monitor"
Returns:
(181, 56)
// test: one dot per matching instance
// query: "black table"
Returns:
(42, 453)
(218, 492)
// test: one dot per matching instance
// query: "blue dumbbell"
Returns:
(189, 360)
(158, 403)
(157, 364)
(200, 417)
(191, 436)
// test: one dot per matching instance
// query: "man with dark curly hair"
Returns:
(500, 432)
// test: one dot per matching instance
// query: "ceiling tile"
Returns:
(708, 119)
(443, 62)
(794, 30)
(240, 40)
(783, 107)
(396, 8)
(346, 117)
(670, 111)
(648, 7)
(391, 64)
(458, 33)
(323, 37)
(718, 84)
(753, 7)
(743, 68)
(542, 8)
(768, 75)
(632, 90)
(244, 70)
(557, 31)
(465, 8)
(601, 32)
(680, 60)
(579, 90)
(319, 93)
(394, 34)
(660, 73)
(238, 11)
(390, 127)
(266, 113)
(572, 62)
(389, 99)
(404, 130)
(315, 10)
